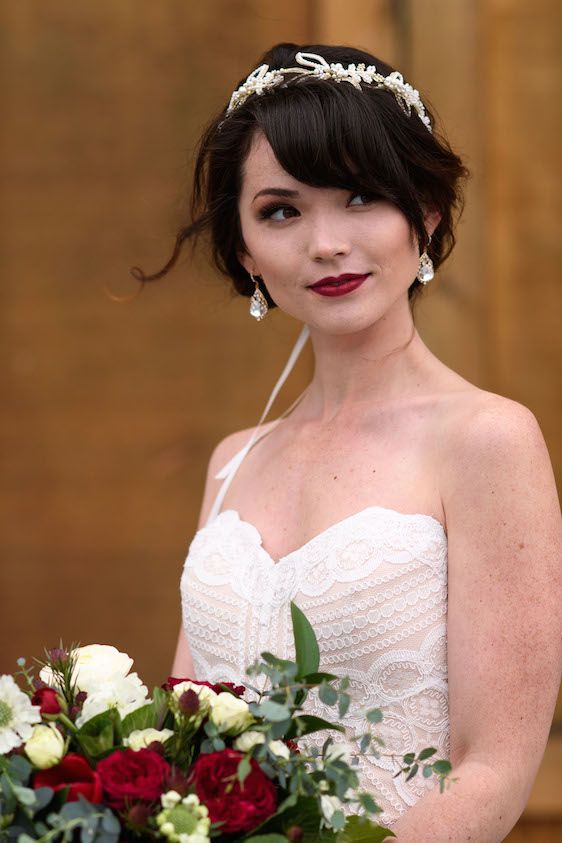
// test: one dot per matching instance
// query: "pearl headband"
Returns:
(263, 79)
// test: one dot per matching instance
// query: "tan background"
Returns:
(111, 410)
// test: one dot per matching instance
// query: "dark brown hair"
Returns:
(324, 134)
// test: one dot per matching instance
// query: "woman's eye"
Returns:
(368, 197)
(268, 213)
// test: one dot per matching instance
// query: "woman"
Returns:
(410, 514)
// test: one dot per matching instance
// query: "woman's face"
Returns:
(294, 241)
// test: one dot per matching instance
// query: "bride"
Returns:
(412, 515)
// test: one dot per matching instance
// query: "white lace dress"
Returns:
(373, 586)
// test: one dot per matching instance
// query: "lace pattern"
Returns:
(374, 587)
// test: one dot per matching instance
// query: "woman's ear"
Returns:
(432, 218)
(247, 262)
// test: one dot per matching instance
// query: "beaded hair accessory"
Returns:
(263, 79)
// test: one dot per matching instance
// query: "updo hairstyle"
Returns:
(324, 134)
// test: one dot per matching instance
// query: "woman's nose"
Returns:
(327, 239)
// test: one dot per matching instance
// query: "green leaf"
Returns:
(243, 769)
(412, 772)
(317, 678)
(274, 711)
(338, 820)
(343, 704)
(427, 772)
(20, 767)
(442, 766)
(327, 694)
(44, 796)
(309, 723)
(25, 796)
(367, 801)
(362, 830)
(100, 734)
(426, 753)
(374, 715)
(142, 718)
(306, 645)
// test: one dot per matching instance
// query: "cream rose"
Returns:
(141, 738)
(230, 714)
(248, 740)
(45, 747)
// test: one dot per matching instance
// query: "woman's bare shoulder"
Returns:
(474, 415)
(225, 450)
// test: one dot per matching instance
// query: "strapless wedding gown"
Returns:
(373, 586)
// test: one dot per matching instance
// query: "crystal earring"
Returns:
(425, 270)
(258, 302)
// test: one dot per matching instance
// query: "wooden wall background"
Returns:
(111, 410)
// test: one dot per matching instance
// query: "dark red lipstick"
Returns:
(338, 286)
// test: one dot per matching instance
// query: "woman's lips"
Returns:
(339, 288)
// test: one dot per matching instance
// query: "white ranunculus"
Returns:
(230, 714)
(125, 693)
(45, 747)
(141, 738)
(95, 664)
(248, 740)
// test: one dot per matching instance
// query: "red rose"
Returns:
(128, 776)
(242, 808)
(75, 773)
(217, 687)
(47, 699)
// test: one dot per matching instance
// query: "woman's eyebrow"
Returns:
(276, 191)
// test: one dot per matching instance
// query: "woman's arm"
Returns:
(504, 625)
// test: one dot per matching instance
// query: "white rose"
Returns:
(230, 714)
(248, 740)
(45, 747)
(125, 693)
(141, 738)
(280, 749)
(329, 805)
(95, 664)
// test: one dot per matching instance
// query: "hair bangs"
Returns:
(325, 136)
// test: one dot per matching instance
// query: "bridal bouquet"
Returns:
(86, 755)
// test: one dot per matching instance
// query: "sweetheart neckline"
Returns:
(395, 512)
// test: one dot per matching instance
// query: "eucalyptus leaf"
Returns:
(426, 753)
(274, 711)
(20, 767)
(243, 769)
(25, 796)
(43, 796)
(327, 694)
